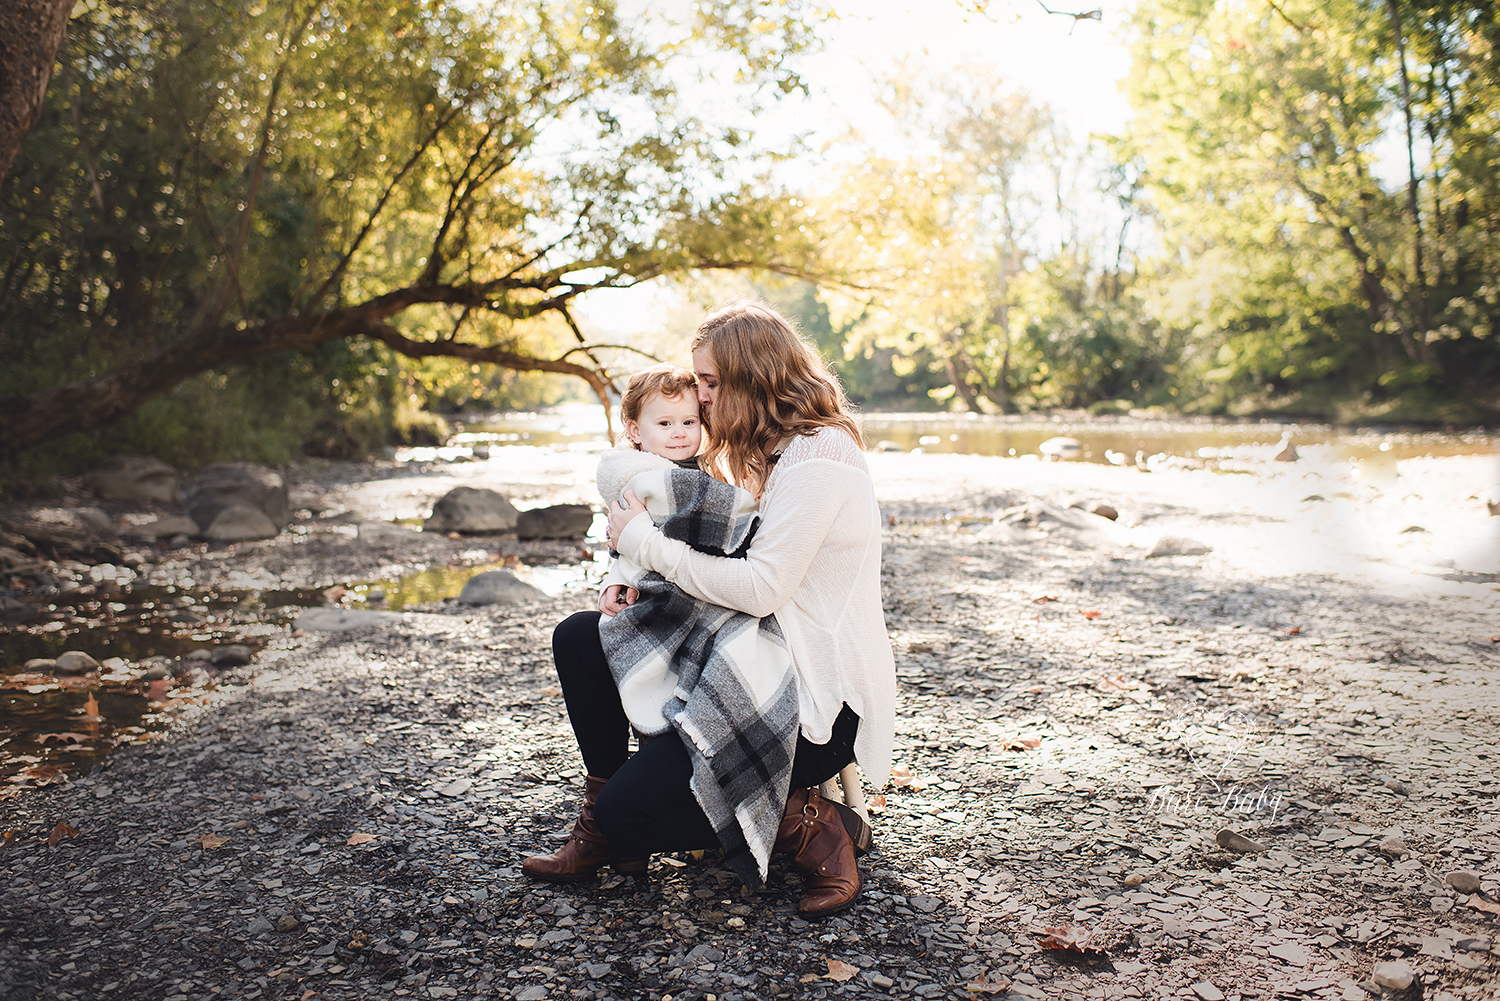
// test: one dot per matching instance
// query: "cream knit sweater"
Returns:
(815, 563)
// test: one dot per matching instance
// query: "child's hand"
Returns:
(621, 513)
(614, 599)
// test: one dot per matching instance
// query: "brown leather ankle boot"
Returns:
(586, 851)
(819, 838)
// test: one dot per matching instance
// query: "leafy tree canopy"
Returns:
(212, 182)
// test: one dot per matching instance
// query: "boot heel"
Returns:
(859, 832)
(631, 866)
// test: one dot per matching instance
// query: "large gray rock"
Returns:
(561, 521)
(241, 523)
(1177, 545)
(134, 478)
(498, 587)
(472, 510)
(75, 662)
(238, 484)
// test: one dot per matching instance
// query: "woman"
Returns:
(779, 427)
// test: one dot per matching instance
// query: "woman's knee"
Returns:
(576, 630)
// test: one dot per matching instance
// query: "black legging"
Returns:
(647, 805)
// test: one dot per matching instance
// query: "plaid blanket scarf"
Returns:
(722, 679)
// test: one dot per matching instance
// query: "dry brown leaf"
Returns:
(43, 773)
(212, 841)
(1042, 599)
(359, 839)
(1091, 614)
(59, 832)
(1295, 630)
(1476, 901)
(8, 838)
(91, 710)
(1019, 743)
(1075, 938)
(157, 690)
(901, 775)
(808, 978)
(840, 971)
(875, 804)
(979, 985)
(551, 692)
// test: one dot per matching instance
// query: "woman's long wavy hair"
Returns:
(772, 384)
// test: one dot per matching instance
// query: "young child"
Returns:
(682, 664)
(662, 421)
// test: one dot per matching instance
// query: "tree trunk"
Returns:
(95, 403)
(30, 32)
(956, 362)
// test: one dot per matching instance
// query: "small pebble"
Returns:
(287, 923)
(1134, 878)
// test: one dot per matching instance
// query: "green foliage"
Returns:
(1294, 253)
(432, 173)
(982, 267)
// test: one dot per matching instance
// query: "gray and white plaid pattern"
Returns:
(733, 692)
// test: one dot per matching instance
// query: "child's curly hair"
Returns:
(659, 380)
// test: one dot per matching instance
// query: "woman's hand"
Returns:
(621, 514)
(614, 599)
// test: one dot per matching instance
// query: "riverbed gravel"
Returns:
(344, 817)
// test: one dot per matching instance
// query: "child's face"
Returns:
(669, 427)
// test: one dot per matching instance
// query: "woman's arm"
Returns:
(809, 503)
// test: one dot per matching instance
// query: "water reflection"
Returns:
(581, 427)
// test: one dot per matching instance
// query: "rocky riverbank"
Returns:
(345, 816)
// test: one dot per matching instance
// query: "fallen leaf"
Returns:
(335, 592)
(1495, 639)
(551, 691)
(212, 841)
(1075, 938)
(8, 838)
(63, 738)
(43, 773)
(1091, 614)
(307, 994)
(59, 832)
(157, 690)
(1294, 631)
(979, 985)
(1476, 901)
(900, 775)
(1042, 599)
(1019, 743)
(840, 971)
(91, 710)
(875, 804)
(359, 839)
